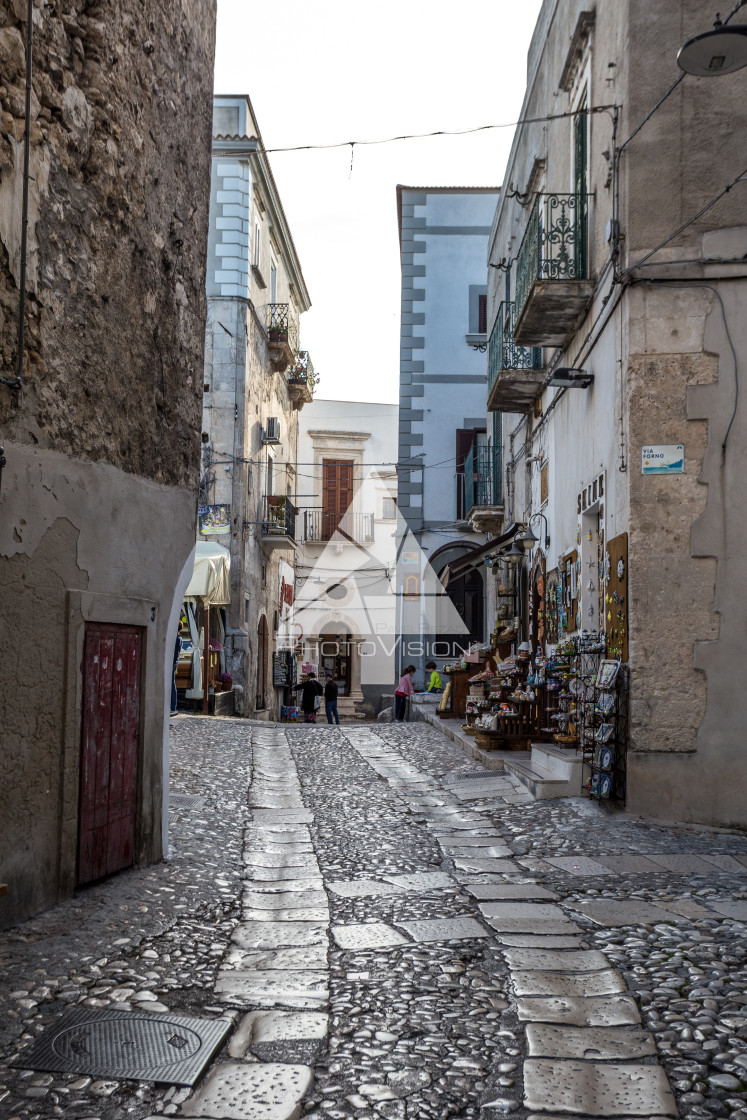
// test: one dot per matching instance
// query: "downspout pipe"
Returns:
(17, 381)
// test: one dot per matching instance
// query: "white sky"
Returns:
(321, 71)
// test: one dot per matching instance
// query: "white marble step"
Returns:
(550, 772)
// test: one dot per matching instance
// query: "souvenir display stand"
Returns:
(454, 699)
(506, 709)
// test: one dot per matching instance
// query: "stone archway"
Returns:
(336, 646)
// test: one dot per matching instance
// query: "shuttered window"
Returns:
(482, 314)
(337, 493)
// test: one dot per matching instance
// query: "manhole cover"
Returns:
(185, 801)
(124, 1044)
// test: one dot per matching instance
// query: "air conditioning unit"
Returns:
(271, 432)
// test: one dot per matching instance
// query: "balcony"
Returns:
(282, 335)
(321, 526)
(278, 523)
(302, 380)
(553, 288)
(516, 376)
(482, 491)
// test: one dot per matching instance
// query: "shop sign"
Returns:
(214, 520)
(663, 458)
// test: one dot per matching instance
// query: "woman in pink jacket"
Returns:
(404, 689)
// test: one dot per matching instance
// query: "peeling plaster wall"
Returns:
(98, 500)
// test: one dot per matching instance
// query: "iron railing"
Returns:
(278, 517)
(322, 526)
(555, 243)
(478, 478)
(301, 372)
(280, 324)
(503, 353)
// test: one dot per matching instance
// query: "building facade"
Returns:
(100, 401)
(617, 257)
(443, 234)
(344, 618)
(256, 381)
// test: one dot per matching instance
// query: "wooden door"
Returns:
(110, 739)
(337, 493)
(262, 651)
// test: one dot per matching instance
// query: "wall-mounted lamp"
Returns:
(528, 540)
(515, 553)
(721, 51)
(566, 378)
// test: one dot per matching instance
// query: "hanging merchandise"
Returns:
(616, 612)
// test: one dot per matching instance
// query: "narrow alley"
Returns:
(392, 931)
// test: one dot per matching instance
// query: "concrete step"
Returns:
(543, 784)
(567, 764)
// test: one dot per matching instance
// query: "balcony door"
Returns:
(337, 493)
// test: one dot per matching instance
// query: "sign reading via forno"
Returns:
(663, 458)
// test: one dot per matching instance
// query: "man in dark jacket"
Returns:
(310, 690)
(330, 699)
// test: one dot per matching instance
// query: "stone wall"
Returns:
(121, 112)
(98, 499)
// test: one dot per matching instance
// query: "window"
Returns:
(389, 509)
(482, 314)
(337, 493)
(247, 610)
(273, 283)
(257, 246)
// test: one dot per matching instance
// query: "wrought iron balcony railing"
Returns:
(479, 486)
(278, 517)
(322, 526)
(555, 243)
(280, 324)
(301, 371)
(503, 353)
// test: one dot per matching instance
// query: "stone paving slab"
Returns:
(446, 840)
(497, 892)
(276, 935)
(287, 816)
(294, 988)
(526, 912)
(688, 908)
(567, 984)
(368, 935)
(599, 1011)
(627, 912)
(299, 914)
(725, 863)
(422, 881)
(598, 1043)
(250, 1091)
(730, 908)
(362, 888)
(629, 865)
(286, 900)
(277, 886)
(542, 941)
(306, 956)
(496, 866)
(683, 864)
(579, 865)
(549, 961)
(277, 874)
(479, 790)
(493, 851)
(277, 1026)
(583, 1088)
(444, 929)
(282, 858)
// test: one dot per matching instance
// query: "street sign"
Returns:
(663, 458)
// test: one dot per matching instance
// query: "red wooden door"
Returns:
(337, 493)
(109, 749)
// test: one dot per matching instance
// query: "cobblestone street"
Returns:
(395, 932)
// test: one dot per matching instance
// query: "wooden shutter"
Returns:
(337, 492)
(482, 314)
(464, 440)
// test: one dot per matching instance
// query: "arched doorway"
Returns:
(262, 648)
(467, 595)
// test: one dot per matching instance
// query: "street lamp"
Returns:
(721, 51)
(528, 540)
(515, 554)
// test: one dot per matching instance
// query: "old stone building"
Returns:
(256, 380)
(100, 420)
(617, 277)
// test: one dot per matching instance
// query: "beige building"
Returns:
(256, 380)
(100, 400)
(618, 254)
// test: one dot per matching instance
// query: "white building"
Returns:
(344, 617)
(443, 249)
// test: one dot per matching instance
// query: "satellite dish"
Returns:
(721, 51)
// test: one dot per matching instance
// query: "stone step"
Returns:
(562, 763)
(541, 783)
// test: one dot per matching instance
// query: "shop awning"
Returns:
(476, 558)
(210, 576)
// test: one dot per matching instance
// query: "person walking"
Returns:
(330, 698)
(404, 689)
(311, 692)
(177, 650)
